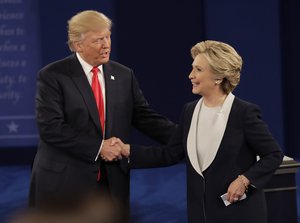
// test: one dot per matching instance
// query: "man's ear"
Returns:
(77, 45)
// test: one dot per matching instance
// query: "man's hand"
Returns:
(125, 148)
(113, 149)
(110, 150)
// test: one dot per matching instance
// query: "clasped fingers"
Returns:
(114, 149)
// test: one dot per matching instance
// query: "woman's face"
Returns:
(201, 76)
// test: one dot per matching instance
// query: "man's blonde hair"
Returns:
(84, 22)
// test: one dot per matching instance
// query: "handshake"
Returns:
(114, 149)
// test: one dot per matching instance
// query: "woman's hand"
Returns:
(237, 188)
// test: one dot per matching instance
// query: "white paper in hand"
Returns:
(226, 202)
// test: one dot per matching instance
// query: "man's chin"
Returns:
(103, 61)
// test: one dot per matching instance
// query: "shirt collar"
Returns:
(87, 67)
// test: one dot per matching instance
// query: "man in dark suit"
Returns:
(73, 157)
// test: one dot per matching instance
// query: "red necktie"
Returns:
(99, 101)
(98, 96)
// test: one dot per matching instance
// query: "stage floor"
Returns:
(156, 202)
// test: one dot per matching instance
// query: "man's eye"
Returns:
(97, 41)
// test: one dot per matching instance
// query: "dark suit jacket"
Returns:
(70, 132)
(245, 137)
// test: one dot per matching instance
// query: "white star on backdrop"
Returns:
(12, 127)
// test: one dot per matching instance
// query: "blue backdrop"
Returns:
(154, 38)
(19, 62)
(154, 41)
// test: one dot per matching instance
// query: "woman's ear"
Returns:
(218, 81)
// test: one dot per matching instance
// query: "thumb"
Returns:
(113, 141)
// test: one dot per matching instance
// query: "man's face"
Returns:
(95, 47)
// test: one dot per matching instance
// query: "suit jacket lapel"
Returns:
(80, 80)
(109, 85)
(218, 130)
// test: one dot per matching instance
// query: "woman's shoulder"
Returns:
(238, 102)
(191, 104)
(245, 108)
(189, 107)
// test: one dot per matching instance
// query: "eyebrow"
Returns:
(196, 65)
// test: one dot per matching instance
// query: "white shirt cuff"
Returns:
(99, 150)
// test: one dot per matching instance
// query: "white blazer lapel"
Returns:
(217, 134)
(192, 139)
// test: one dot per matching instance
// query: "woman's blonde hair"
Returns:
(224, 62)
(84, 22)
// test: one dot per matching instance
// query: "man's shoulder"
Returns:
(60, 64)
(115, 65)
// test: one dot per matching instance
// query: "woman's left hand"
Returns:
(236, 190)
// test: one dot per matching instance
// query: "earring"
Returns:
(217, 82)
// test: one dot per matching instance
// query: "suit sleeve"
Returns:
(53, 127)
(264, 145)
(158, 156)
(147, 120)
